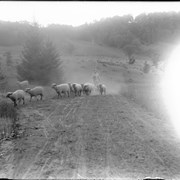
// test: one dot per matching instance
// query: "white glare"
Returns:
(77, 13)
(171, 88)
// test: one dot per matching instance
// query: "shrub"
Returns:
(8, 120)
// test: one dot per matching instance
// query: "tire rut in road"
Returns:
(159, 141)
(56, 156)
(22, 168)
(92, 141)
(143, 157)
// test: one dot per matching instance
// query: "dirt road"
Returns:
(90, 137)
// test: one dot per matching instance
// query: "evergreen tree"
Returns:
(40, 59)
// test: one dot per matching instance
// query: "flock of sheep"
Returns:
(61, 90)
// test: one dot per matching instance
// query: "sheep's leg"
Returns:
(15, 104)
(60, 94)
(30, 98)
(19, 100)
(86, 92)
(23, 100)
(41, 96)
(89, 92)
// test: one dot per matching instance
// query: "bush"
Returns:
(8, 120)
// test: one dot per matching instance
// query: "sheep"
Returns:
(17, 95)
(88, 88)
(61, 88)
(23, 84)
(71, 88)
(77, 89)
(34, 92)
(102, 88)
(82, 85)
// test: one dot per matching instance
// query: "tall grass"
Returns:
(8, 119)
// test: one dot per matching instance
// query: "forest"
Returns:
(123, 32)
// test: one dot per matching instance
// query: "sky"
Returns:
(76, 13)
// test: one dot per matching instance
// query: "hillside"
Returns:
(111, 136)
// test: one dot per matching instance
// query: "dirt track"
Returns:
(90, 137)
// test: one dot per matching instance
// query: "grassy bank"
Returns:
(8, 119)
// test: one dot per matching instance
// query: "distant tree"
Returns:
(156, 60)
(40, 59)
(146, 67)
(131, 49)
(8, 58)
(132, 60)
(70, 48)
(2, 76)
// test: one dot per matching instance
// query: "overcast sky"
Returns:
(76, 13)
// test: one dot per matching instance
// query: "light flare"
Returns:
(171, 88)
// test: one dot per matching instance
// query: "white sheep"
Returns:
(71, 88)
(88, 88)
(77, 89)
(34, 92)
(61, 88)
(23, 84)
(101, 88)
(17, 95)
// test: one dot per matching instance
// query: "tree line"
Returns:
(117, 31)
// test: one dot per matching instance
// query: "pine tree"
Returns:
(40, 59)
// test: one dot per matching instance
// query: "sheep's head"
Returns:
(85, 88)
(74, 86)
(9, 94)
(27, 90)
(54, 85)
